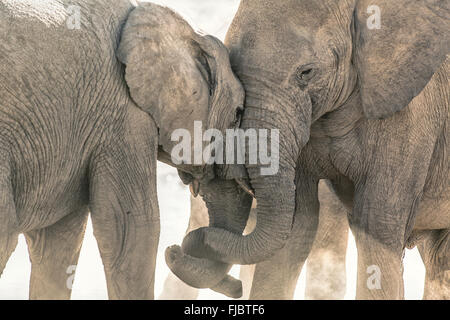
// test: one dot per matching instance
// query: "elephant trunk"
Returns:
(275, 197)
(228, 208)
(274, 191)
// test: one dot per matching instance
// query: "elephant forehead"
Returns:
(278, 53)
(279, 28)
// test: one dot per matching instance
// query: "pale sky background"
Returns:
(213, 17)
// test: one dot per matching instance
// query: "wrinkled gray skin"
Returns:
(326, 276)
(366, 109)
(174, 288)
(83, 114)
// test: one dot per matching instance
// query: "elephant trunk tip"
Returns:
(202, 273)
(229, 287)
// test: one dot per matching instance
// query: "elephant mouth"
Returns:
(237, 174)
(188, 172)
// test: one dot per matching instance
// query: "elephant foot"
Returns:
(202, 273)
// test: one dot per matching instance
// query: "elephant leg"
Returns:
(385, 206)
(325, 270)
(8, 229)
(124, 208)
(246, 274)
(276, 278)
(381, 223)
(8, 243)
(174, 288)
(125, 219)
(54, 253)
(435, 252)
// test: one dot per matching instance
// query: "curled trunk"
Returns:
(273, 227)
(228, 208)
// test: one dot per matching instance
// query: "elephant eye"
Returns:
(304, 75)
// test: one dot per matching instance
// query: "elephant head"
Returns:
(298, 61)
(178, 76)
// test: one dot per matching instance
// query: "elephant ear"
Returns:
(169, 71)
(398, 46)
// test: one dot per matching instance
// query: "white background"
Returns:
(213, 17)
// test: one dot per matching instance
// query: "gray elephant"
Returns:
(359, 91)
(326, 273)
(90, 92)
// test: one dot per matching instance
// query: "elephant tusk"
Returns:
(245, 186)
(194, 187)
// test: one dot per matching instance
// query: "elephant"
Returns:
(326, 273)
(90, 93)
(359, 92)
